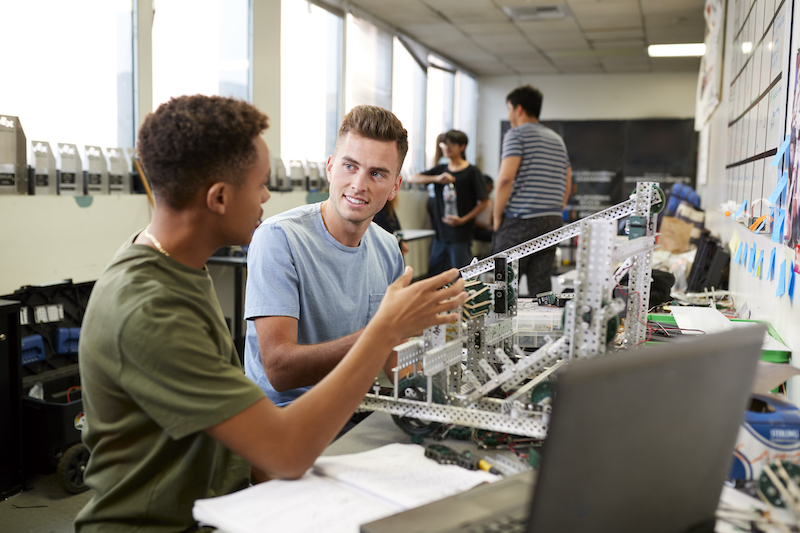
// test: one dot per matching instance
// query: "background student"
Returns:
(452, 242)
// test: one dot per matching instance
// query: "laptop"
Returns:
(638, 441)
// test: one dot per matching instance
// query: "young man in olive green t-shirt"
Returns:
(170, 417)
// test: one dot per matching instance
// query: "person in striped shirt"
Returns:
(532, 186)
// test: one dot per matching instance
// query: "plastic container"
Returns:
(535, 322)
(450, 204)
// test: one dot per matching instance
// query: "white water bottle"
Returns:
(449, 195)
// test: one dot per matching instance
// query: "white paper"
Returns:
(401, 473)
(340, 493)
(710, 320)
(705, 319)
(309, 504)
(770, 375)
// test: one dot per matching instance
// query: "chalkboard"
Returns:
(608, 157)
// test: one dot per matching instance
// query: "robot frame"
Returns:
(459, 370)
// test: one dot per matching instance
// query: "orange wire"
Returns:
(74, 387)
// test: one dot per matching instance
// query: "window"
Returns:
(76, 89)
(466, 110)
(408, 103)
(440, 104)
(201, 46)
(369, 65)
(311, 73)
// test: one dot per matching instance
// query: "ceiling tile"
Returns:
(650, 7)
(573, 3)
(481, 33)
(538, 70)
(517, 3)
(589, 69)
(424, 30)
(605, 9)
(455, 5)
(480, 28)
(467, 10)
(636, 42)
(449, 41)
(471, 52)
(606, 36)
(602, 22)
(503, 43)
(559, 41)
(531, 26)
(491, 68)
(676, 19)
(674, 64)
(642, 60)
(576, 61)
(532, 58)
(675, 35)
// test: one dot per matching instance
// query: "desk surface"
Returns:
(377, 430)
(414, 234)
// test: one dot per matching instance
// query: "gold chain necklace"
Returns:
(155, 242)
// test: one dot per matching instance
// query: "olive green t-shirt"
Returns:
(158, 367)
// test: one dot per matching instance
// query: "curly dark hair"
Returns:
(376, 123)
(530, 98)
(191, 140)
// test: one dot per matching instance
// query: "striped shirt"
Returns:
(540, 183)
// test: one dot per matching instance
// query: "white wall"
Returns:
(755, 295)
(583, 97)
(51, 238)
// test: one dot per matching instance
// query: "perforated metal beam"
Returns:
(547, 240)
(533, 426)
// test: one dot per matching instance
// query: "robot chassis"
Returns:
(458, 367)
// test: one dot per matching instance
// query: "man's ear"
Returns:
(328, 168)
(396, 188)
(218, 197)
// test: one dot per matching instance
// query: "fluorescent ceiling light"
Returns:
(676, 50)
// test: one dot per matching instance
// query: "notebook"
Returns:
(638, 441)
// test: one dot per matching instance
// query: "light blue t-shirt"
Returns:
(296, 268)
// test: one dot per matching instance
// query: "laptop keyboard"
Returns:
(505, 524)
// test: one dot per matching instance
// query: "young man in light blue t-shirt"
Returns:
(316, 274)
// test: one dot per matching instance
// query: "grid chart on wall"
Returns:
(757, 97)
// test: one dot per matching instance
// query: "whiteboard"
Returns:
(757, 105)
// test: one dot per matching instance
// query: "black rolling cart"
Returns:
(50, 317)
(11, 474)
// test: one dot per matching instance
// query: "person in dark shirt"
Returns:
(387, 219)
(453, 238)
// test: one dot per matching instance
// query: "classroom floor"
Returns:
(45, 508)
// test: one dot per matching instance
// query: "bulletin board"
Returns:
(759, 82)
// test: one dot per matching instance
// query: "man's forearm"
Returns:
(501, 195)
(568, 190)
(477, 210)
(290, 365)
(421, 179)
